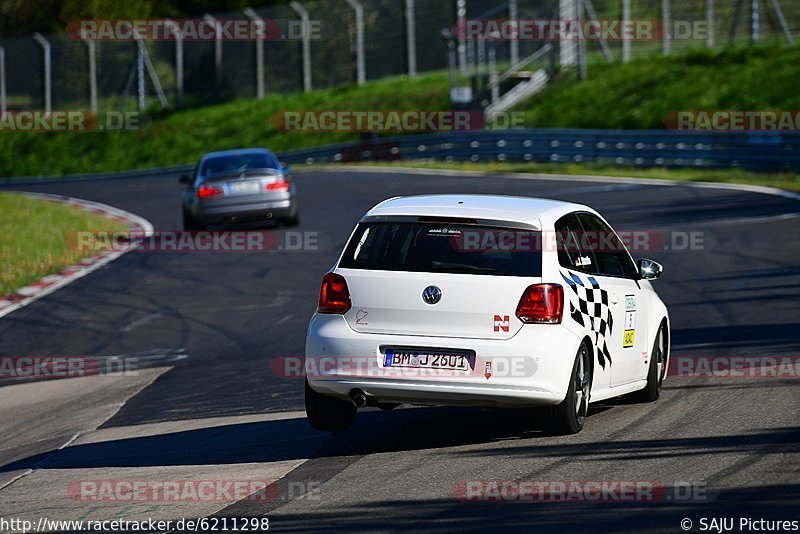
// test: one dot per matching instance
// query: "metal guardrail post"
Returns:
(260, 35)
(361, 75)
(48, 70)
(568, 56)
(411, 38)
(3, 96)
(710, 23)
(304, 17)
(626, 43)
(217, 48)
(609, 55)
(178, 61)
(756, 27)
(776, 7)
(666, 19)
(481, 59)
(92, 50)
(493, 73)
(450, 42)
(143, 62)
(140, 76)
(513, 14)
(461, 18)
(736, 19)
(583, 68)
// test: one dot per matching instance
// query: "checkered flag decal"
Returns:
(589, 306)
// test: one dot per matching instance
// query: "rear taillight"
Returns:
(208, 191)
(334, 297)
(541, 303)
(280, 185)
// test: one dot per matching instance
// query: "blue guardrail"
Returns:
(756, 151)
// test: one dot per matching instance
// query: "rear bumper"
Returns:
(437, 394)
(246, 212)
(532, 368)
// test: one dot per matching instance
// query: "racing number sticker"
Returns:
(630, 321)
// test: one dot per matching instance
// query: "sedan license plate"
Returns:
(242, 188)
(426, 359)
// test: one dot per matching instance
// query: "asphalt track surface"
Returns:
(232, 313)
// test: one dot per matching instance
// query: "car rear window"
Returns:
(448, 248)
(238, 163)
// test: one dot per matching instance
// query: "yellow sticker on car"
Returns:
(627, 339)
(630, 321)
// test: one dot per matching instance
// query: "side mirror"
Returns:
(184, 179)
(286, 168)
(649, 269)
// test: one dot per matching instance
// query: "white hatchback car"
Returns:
(485, 301)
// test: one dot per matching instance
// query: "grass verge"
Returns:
(639, 94)
(33, 238)
(180, 137)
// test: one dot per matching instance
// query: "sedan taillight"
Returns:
(208, 191)
(280, 185)
(542, 304)
(334, 296)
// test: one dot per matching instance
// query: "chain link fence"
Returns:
(400, 37)
(687, 24)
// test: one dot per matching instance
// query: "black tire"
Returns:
(328, 413)
(294, 220)
(569, 416)
(189, 223)
(657, 369)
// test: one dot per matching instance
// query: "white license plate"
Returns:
(426, 359)
(242, 188)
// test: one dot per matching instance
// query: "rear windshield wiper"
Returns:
(460, 267)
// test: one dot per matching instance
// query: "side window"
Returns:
(610, 253)
(570, 254)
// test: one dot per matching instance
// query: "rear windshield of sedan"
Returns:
(238, 163)
(448, 248)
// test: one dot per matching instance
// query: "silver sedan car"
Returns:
(239, 186)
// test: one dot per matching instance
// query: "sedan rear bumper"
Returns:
(246, 212)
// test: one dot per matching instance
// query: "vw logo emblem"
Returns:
(431, 295)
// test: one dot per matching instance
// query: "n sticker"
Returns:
(501, 323)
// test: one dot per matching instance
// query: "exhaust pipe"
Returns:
(359, 398)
